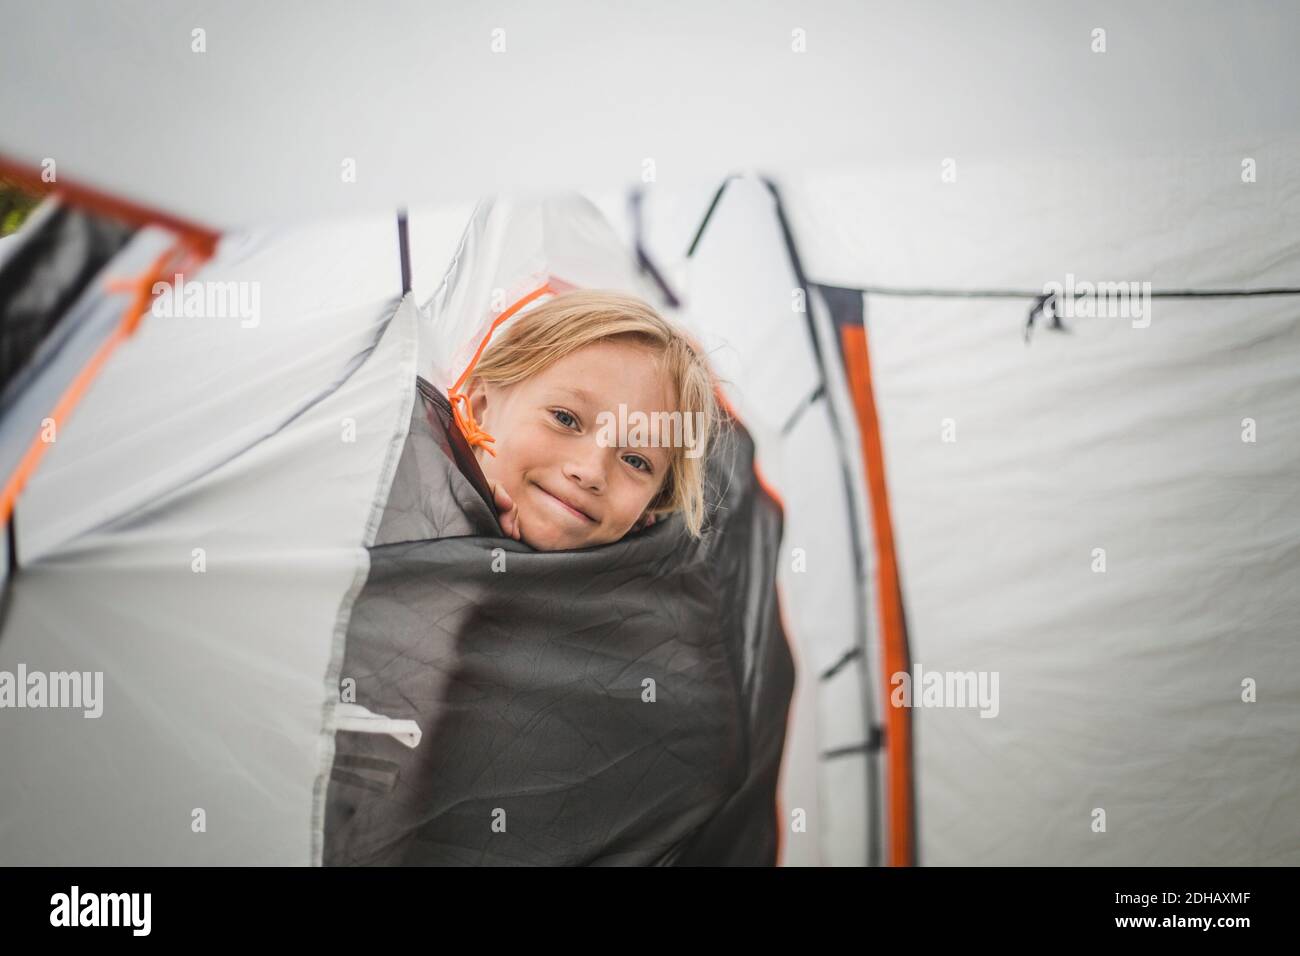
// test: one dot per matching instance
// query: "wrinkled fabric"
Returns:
(618, 705)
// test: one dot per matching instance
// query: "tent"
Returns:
(1098, 511)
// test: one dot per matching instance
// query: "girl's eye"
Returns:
(564, 418)
(639, 463)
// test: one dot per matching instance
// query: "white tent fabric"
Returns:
(510, 250)
(196, 534)
(1119, 690)
(943, 200)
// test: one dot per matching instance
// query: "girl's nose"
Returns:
(587, 468)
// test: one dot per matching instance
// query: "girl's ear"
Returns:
(478, 399)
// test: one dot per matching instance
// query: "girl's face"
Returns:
(572, 487)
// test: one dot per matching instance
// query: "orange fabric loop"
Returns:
(475, 436)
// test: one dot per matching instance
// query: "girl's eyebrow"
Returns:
(580, 393)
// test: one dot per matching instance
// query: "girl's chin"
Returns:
(544, 536)
(541, 535)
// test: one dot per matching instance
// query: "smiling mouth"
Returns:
(580, 515)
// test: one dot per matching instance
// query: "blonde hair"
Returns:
(572, 320)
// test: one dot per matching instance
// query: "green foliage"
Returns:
(15, 206)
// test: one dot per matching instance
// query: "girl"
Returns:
(545, 404)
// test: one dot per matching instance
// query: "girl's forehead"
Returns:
(609, 373)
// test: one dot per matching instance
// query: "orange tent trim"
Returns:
(898, 720)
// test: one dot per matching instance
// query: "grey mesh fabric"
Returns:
(624, 704)
(47, 267)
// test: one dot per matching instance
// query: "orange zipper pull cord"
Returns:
(475, 436)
